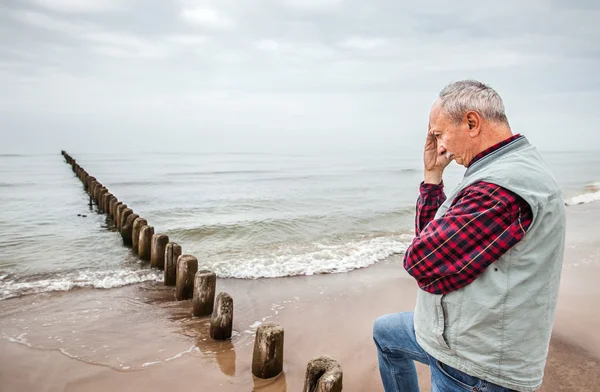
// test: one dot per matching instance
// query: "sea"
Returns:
(243, 215)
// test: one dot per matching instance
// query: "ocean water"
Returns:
(243, 215)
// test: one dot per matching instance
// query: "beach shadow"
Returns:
(226, 357)
(275, 384)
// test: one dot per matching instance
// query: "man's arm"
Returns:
(431, 197)
(484, 221)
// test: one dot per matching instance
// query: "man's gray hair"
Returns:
(460, 97)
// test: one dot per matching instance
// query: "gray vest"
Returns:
(498, 327)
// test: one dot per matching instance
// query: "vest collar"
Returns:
(513, 146)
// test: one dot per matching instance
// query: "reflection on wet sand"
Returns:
(226, 358)
(278, 384)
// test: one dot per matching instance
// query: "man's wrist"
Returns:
(434, 178)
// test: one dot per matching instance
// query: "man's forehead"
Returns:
(435, 111)
(436, 115)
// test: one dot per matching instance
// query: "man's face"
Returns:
(451, 137)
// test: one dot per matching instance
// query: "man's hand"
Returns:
(435, 160)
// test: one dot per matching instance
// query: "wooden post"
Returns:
(99, 187)
(115, 210)
(91, 186)
(135, 233)
(127, 230)
(221, 322)
(157, 252)
(145, 245)
(123, 218)
(111, 206)
(95, 186)
(105, 200)
(323, 374)
(187, 266)
(267, 359)
(172, 253)
(91, 180)
(101, 193)
(205, 284)
(120, 210)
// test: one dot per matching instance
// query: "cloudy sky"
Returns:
(254, 75)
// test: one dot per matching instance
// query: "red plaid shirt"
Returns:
(483, 222)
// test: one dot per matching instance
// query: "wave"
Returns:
(592, 194)
(218, 173)
(11, 286)
(156, 182)
(320, 259)
(307, 226)
(273, 261)
(17, 184)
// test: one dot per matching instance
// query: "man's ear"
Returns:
(474, 121)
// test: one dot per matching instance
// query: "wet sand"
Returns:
(138, 338)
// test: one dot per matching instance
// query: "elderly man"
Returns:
(487, 259)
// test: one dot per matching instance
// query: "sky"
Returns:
(287, 75)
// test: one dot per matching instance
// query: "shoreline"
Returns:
(152, 342)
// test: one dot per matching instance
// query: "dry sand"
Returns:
(138, 338)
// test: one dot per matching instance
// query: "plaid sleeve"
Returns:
(484, 221)
(431, 197)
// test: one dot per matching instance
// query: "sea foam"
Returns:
(287, 260)
(99, 279)
(592, 195)
(321, 259)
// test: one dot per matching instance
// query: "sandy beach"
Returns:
(137, 338)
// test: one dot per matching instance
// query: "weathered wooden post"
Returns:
(95, 186)
(123, 217)
(187, 266)
(111, 206)
(105, 198)
(157, 252)
(205, 284)
(172, 253)
(127, 230)
(120, 210)
(323, 374)
(267, 359)
(90, 181)
(145, 245)
(221, 322)
(97, 191)
(101, 194)
(115, 210)
(135, 233)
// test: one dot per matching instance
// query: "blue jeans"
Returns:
(397, 348)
